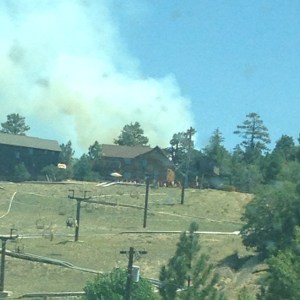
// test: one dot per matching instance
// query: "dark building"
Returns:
(134, 162)
(30, 152)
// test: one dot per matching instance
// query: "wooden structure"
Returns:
(33, 153)
(133, 162)
(4, 239)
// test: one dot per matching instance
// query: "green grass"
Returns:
(103, 230)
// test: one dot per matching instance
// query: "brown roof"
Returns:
(124, 151)
(28, 142)
(163, 154)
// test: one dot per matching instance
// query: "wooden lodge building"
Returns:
(135, 162)
(33, 153)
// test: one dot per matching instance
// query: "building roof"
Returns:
(166, 161)
(28, 142)
(118, 151)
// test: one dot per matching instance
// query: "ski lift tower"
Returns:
(4, 238)
(79, 200)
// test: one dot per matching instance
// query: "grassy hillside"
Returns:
(39, 213)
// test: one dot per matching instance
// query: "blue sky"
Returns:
(81, 70)
(229, 57)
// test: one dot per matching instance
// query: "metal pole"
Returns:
(77, 220)
(185, 181)
(182, 192)
(131, 252)
(2, 270)
(146, 201)
(129, 274)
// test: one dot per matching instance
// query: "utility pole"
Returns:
(185, 181)
(146, 200)
(4, 239)
(79, 200)
(182, 191)
(130, 254)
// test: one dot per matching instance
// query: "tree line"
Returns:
(249, 165)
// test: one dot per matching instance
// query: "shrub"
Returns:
(21, 173)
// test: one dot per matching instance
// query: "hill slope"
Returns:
(113, 222)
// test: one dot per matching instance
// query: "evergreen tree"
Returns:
(255, 137)
(95, 155)
(177, 149)
(20, 172)
(132, 135)
(283, 278)
(82, 169)
(271, 167)
(237, 165)
(15, 124)
(66, 154)
(285, 148)
(271, 219)
(183, 154)
(217, 153)
(95, 151)
(188, 274)
(237, 155)
(247, 178)
(298, 150)
(54, 173)
(215, 149)
(289, 171)
(180, 144)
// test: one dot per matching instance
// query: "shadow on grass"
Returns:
(65, 242)
(235, 262)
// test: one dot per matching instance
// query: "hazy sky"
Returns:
(81, 70)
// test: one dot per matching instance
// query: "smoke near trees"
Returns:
(244, 169)
(87, 82)
(132, 135)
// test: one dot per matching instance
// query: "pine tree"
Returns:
(188, 274)
(132, 135)
(255, 136)
(15, 124)
(95, 151)
(283, 279)
(180, 145)
(217, 153)
(66, 154)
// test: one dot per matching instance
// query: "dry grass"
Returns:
(102, 230)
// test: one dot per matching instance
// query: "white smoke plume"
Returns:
(65, 68)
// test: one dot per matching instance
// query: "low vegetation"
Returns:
(39, 211)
